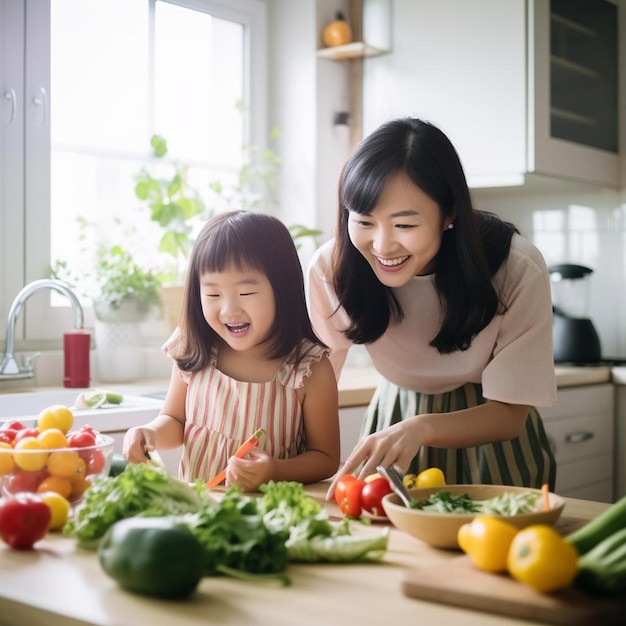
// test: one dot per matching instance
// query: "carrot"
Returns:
(545, 491)
(245, 447)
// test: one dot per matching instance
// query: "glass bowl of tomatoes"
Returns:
(51, 457)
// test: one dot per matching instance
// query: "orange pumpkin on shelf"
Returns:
(337, 32)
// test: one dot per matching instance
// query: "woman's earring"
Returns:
(450, 226)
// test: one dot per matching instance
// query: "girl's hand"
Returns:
(136, 441)
(251, 471)
(397, 444)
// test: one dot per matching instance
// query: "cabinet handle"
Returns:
(10, 97)
(42, 101)
(579, 437)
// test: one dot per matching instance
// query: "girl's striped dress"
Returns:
(221, 413)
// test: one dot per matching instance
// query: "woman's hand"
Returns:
(136, 441)
(397, 444)
(251, 471)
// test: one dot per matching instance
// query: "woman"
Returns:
(454, 308)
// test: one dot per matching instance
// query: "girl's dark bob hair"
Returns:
(245, 240)
(470, 253)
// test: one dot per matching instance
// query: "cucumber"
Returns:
(608, 522)
(114, 398)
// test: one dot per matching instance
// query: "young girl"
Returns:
(245, 357)
(454, 307)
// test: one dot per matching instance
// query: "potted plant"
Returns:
(119, 287)
(123, 293)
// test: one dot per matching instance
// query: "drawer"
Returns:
(575, 438)
(577, 474)
(598, 492)
(588, 400)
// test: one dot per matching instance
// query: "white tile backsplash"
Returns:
(587, 228)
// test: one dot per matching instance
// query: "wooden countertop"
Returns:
(62, 585)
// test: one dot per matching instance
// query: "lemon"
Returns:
(6, 459)
(30, 459)
(56, 416)
(431, 477)
(59, 507)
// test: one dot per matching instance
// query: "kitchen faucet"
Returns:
(10, 368)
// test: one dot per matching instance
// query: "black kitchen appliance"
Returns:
(575, 338)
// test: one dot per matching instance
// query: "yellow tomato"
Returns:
(540, 558)
(59, 485)
(6, 460)
(52, 438)
(59, 507)
(431, 477)
(81, 471)
(57, 416)
(30, 460)
(486, 540)
(65, 463)
(79, 487)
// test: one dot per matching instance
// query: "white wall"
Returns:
(586, 226)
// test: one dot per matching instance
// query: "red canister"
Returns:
(76, 358)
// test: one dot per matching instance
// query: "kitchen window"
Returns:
(83, 86)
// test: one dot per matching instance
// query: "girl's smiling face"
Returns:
(239, 305)
(402, 235)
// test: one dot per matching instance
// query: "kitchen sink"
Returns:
(26, 406)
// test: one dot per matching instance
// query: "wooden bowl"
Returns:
(440, 529)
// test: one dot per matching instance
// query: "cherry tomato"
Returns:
(26, 432)
(96, 462)
(81, 439)
(373, 494)
(348, 495)
(88, 429)
(24, 520)
(22, 480)
(14, 425)
(7, 436)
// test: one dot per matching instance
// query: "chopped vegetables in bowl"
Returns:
(438, 512)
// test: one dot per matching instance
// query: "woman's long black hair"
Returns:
(470, 253)
(245, 240)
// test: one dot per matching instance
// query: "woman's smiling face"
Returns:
(402, 235)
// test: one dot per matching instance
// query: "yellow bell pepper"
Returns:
(540, 558)
(486, 540)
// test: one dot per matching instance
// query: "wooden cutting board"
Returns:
(458, 583)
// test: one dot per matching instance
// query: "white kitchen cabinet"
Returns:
(350, 420)
(514, 85)
(580, 428)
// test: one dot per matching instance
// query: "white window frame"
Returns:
(25, 165)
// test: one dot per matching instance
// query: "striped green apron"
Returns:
(526, 461)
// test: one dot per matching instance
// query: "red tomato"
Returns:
(23, 480)
(372, 496)
(348, 495)
(24, 520)
(14, 425)
(81, 439)
(96, 462)
(7, 435)
(87, 428)
(25, 432)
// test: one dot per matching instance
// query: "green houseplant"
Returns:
(174, 205)
(119, 287)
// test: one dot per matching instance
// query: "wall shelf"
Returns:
(350, 51)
